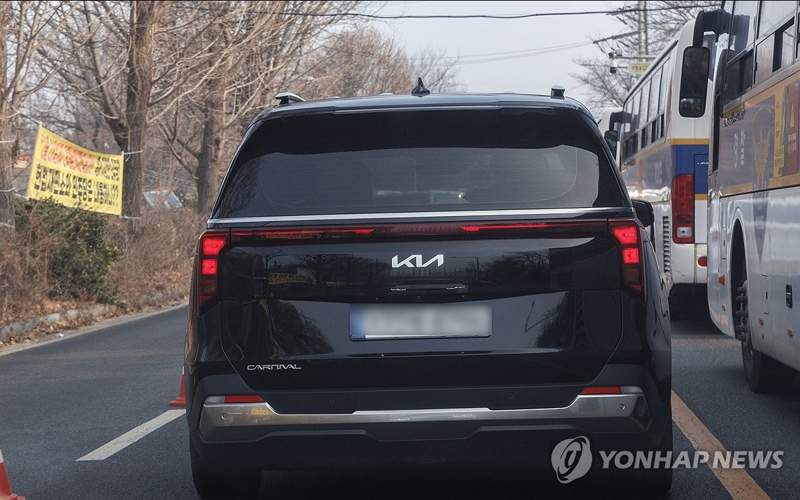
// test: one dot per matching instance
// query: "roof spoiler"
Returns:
(717, 21)
(286, 98)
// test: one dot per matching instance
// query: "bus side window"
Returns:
(635, 117)
(666, 83)
(652, 110)
(770, 54)
(739, 71)
(643, 112)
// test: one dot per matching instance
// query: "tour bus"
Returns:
(663, 157)
(754, 178)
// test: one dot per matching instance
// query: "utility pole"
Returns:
(643, 42)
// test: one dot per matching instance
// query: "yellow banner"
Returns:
(74, 176)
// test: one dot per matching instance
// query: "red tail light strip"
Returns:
(212, 243)
(303, 234)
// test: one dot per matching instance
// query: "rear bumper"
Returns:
(256, 421)
(259, 435)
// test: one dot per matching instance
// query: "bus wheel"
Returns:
(763, 373)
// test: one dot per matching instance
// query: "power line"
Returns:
(450, 16)
(478, 16)
(544, 50)
(515, 53)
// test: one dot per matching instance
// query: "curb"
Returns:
(92, 312)
(100, 325)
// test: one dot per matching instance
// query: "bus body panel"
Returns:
(649, 171)
(755, 187)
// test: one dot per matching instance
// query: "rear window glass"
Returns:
(419, 161)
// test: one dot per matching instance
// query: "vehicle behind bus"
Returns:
(663, 157)
(754, 179)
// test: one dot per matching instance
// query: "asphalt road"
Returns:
(63, 400)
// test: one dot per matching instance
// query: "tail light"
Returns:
(211, 245)
(683, 208)
(415, 230)
(627, 235)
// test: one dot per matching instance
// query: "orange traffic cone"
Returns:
(5, 484)
(180, 401)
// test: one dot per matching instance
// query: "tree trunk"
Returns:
(207, 174)
(6, 125)
(6, 164)
(143, 18)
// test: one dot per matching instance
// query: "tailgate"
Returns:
(386, 306)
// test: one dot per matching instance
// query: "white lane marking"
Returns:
(131, 436)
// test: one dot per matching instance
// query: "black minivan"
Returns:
(439, 280)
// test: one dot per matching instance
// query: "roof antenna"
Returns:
(420, 89)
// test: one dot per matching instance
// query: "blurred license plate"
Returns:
(413, 321)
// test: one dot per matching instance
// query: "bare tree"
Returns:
(21, 28)
(125, 61)
(362, 61)
(261, 46)
(665, 19)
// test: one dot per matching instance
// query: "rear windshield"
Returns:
(420, 161)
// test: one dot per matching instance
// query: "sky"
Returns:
(529, 74)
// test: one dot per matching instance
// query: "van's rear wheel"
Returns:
(763, 373)
(213, 483)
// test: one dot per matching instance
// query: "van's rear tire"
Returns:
(213, 483)
(658, 482)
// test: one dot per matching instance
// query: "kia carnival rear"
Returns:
(438, 281)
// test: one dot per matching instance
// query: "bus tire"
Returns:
(763, 373)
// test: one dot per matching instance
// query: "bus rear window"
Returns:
(419, 161)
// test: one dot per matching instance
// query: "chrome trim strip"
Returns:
(411, 215)
(262, 414)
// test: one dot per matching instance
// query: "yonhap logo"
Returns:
(571, 459)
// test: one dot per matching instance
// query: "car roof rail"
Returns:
(286, 98)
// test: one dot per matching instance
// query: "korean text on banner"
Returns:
(75, 176)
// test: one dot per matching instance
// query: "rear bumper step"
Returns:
(630, 403)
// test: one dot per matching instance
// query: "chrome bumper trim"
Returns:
(262, 414)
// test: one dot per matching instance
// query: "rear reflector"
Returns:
(607, 389)
(702, 261)
(683, 208)
(243, 398)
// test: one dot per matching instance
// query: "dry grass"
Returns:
(153, 264)
(157, 258)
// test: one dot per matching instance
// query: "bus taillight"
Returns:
(683, 208)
